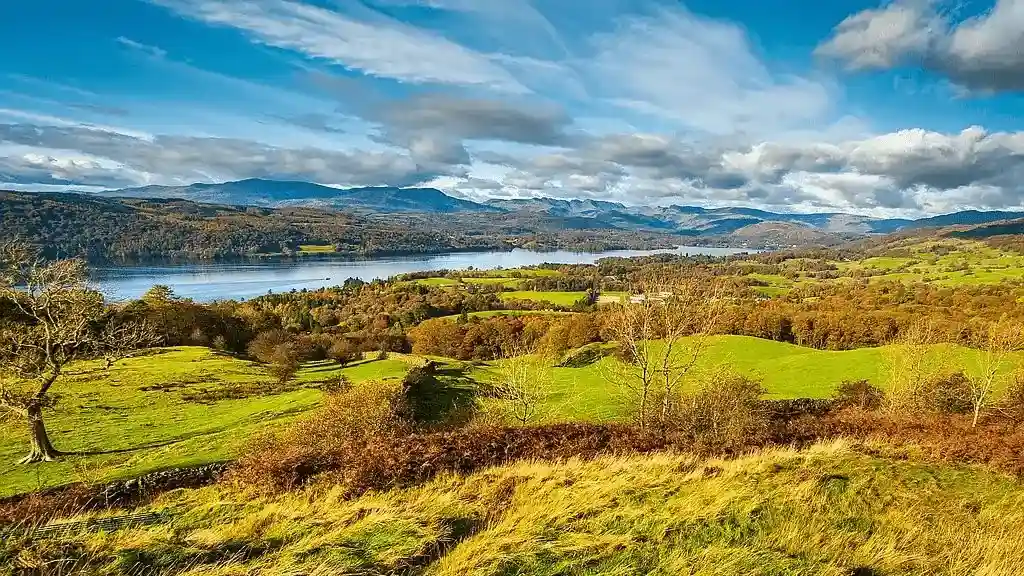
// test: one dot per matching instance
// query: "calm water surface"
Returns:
(206, 282)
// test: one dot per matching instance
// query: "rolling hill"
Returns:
(722, 222)
(276, 194)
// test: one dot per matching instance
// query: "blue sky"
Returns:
(901, 108)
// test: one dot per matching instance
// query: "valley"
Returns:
(457, 381)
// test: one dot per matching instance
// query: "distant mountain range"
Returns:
(279, 194)
(740, 223)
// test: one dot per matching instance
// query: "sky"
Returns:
(904, 108)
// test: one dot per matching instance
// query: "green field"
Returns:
(496, 281)
(556, 298)
(435, 282)
(136, 418)
(171, 407)
(832, 509)
(493, 313)
(967, 262)
(787, 371)
(317, 249)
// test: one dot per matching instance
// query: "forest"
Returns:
(111, 230)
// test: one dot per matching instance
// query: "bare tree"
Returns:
(1002, 339)
(53, 320)
(914, 361)
(522, 381)
(662, 333)
(693, 310)
(119, 339)
(634, 327)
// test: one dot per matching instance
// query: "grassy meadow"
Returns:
(832, 509)
(172, 407)
(556, 298)
(190, 405)
(593, 392)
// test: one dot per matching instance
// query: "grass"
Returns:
(317, 249)
(964, 262)
(137, 416)
(556, 298)
(593, 392)
(495, 281)
(435, 282)
(831, 510)
(493, 313)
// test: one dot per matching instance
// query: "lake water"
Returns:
(206, 282)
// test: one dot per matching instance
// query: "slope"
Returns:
(830, 510)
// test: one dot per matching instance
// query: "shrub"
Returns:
(939, 394)
(263, 346)
(343, 351)
(724, 414)
(341, 432)
(950, 394)
(429, 402)
(336, 384)
(859, 394)
(1011, 404)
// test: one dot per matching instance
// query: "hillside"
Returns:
(719, 223)
(273, 193)
(835, 508)
(104, 229)
(784, 234)
(190, 405)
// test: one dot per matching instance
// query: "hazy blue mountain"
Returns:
(967, 217)
(574, 213)
(275, 193)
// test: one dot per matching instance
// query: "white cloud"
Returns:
(154, 51)
(703, 74)
(982, 53)
(383, 47)
(884, 37)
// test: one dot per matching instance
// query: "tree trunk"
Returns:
(42, 449)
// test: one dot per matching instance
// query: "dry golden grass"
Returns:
(832, 509)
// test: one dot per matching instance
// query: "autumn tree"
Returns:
(282, 353)
(995, 360)
(915, 362)
(120, 338)
(56, 319)
(522, 379)
(343, 351)
(662, 333)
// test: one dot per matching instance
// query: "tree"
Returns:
(915, 363)
(55, 320)
(120, 338)
(521, 383)
(343, 351)
(1002, 339)
(281, 351)
(633, 326)
(688, 309)
(661, 334)
(285, 362)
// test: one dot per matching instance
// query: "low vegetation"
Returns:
(834, 508)
(843, 412)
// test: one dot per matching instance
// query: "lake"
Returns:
(207, 282)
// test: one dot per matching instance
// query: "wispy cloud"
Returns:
(154, 51)
(703, 74)
(383, 48)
